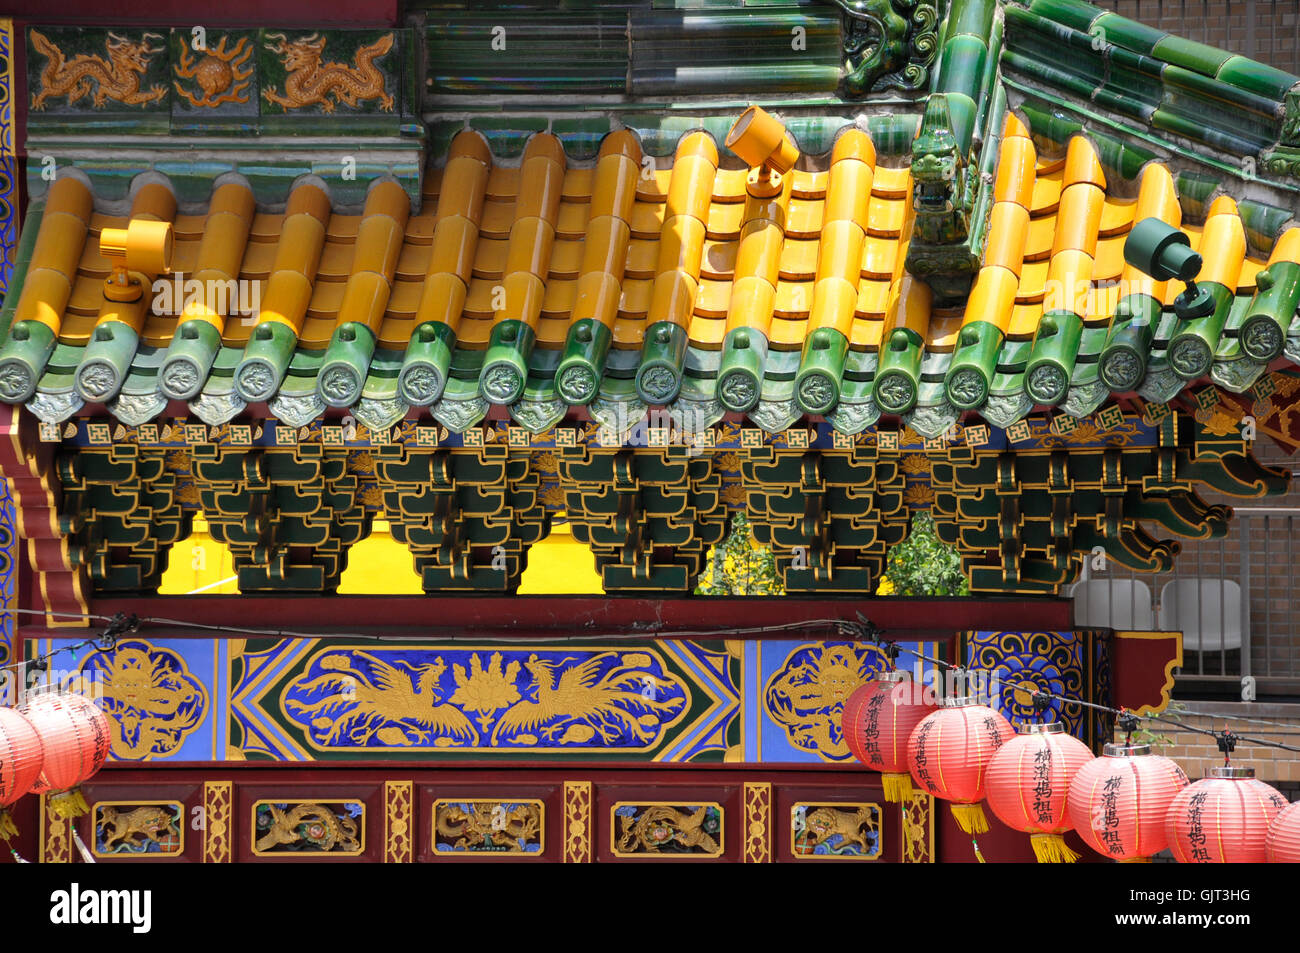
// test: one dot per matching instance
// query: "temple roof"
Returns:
(1055, 220)
(930, 254)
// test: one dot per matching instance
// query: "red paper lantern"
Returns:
(1223, 818)
(1029, 783)
(75, 735)
(949, 754)
(21, 757)
(878, 721)
(1282, 843)
(1119, 802)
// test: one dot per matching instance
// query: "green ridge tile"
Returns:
(1191, 55)
(1258, 78)
(1074, 13)
(1127, 33)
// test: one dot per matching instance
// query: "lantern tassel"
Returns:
(8, 828)
(970, 818)
(1134, 860)
(1052, 849)
(976, 847)
(898, 787)
(82, 849)
(68, 804)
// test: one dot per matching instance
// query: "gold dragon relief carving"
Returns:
(494, 828)
(310, 81)
(835, 831)
(307, 828)
(135, 829)
(88, 75)
(661, 829)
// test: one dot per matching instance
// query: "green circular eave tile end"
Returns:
(17, 382)
(738, 389)
(426, 364)
(1261, 338)
(256, 380)
(967, 388)
(420, 383)
(181, 378)
(658, 382)
(816, 392)
(339, 385)
(895, 392)
(505, 365)
(576, 382)
(1121, 368)
(659, 374)
(1046, 383)
(97, 380)
(1190, 357)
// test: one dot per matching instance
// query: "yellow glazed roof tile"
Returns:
(1058, 217)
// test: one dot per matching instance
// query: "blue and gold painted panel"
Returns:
(164, 697)
(753, 701)
(1071, 664)
(799, 689)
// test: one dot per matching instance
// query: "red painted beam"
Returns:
(434, 616)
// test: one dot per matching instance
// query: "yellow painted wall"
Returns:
(378, 565)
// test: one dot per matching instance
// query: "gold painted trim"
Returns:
(758, 822)
(880, 830)
(56, 836)
(577, 822)
(1176, 662)
(160, 855)
(914, 850)
(541, 832)
(399, 844)
(679, 804)
(217, 796)
(314, 854)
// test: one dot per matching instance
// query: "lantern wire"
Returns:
(864, 630)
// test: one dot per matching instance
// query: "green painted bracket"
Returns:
(23, 358)
(971, 372)
(1124, 357)
(426, 364)
(346, 363)
(898, 378)
(663, 356)
(105, 362)
(1194, 341)
(821, 368)
(740, 371)
(582, 364)
(189, 357)
(266, 360)
(505, 366)
(1051, 362)
(1263, 330)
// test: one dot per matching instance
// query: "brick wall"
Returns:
(1264, 30)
